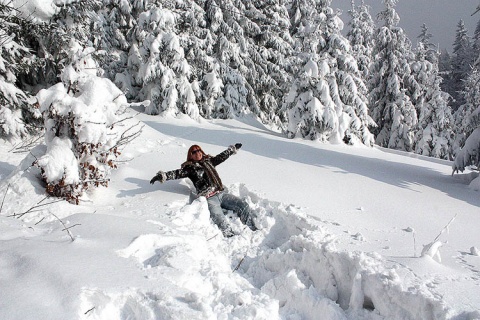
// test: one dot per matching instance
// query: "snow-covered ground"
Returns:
(342, 235)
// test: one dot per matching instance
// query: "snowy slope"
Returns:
(342, 233)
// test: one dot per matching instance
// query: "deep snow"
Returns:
(343, 229)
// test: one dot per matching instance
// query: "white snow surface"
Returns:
(346, 233)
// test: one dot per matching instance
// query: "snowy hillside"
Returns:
(342, 235)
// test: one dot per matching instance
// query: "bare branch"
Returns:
(97, 180)
(89, 310)
(26, 145)
(34, 207)
(6, 190)
(126, 118)
(445, 228)
(40, 221)
(239, 264)
(121, 94)
(212, 237)
(77, 224)
(66, 228)
(36, 159)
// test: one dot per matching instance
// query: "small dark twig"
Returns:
(239, 264)
(212, 237)
(125, 139)
(34, 207)
(36, 159)
(40, 221)
(124, 119)
(445, 228)
(25, 146)
(4, 196)
(43, 199)
(118, 96)
(89, 310)
(77, 224)
(65, 226)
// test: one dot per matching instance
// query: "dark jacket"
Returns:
(202, 173)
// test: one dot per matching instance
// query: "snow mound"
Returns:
(289, 269)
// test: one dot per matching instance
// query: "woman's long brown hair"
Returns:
(195, 146)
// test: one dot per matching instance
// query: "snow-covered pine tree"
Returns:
(309, 107)
(212, 90)
(469, 155)
(444, 68)
(74, 23)
(467, 116)
(361, 36)
(111, 34)
(462, 61)
(113, 24)
(429, 50)
(198, 40)
(476, 44)
(157, 62)
(251, 43)
(390, 105)
(434, 132)
(230, 53)
(326, 101)
(17, 65)
(271, 49)
(199, 24)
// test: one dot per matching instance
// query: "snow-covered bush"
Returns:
(83, 120)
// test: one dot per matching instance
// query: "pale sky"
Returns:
(440, 16)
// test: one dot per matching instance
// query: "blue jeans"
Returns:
(227, 201)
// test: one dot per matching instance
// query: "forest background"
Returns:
(285, 62)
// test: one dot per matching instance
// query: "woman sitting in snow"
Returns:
(200, 169)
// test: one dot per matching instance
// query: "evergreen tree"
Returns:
(310, 108)
(445, 70)
(112, 33)
(74, 23)
(273, 47)
(392, 109)
(77, 19)
(434, 132)
(476, 44)
(361, 37)
(467, 117)
(198, 42)
(113, 25)
(326, 101)
(251, 44)
(429, 49)
(158, 64)
(462, 62)
(17, 64)
(468, 155)
(229, 52)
